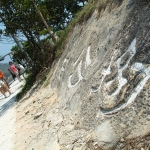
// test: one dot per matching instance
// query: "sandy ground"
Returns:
(8, 116)
(23, 125)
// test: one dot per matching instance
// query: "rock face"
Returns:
(103, 78)
(98, 98)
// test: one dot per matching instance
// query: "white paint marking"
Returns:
(78, 58)
(140, 86)
(79, 75)
(121, 79)
(88, 60)
(62, 69)
(138, 66)
(137, 90)
(105, 72)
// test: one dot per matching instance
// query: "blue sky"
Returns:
(5, 46)
(4, 49)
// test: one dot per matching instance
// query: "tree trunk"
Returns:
(45, 23)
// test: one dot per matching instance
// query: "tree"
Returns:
(60, 14)
(45, 23)
(22, 17)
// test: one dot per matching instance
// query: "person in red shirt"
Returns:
(14, 70)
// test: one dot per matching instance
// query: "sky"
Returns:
(5, 49)
(5, 46)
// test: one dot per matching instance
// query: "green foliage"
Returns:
(60, 33)
(29, 83)
(60, 14)
(46, 83)
(80, 17)
(17, 54)
(43, 32)
(86, 12)
(21, 16)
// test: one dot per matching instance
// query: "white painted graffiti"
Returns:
(137, 67)
(121, 79)
(79, 75)
(88, 62)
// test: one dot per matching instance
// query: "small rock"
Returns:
(148, 138)
(47, 97)
(122, 140)
(148, 117)
(122, 125)
(38, 115)
(140, 113)
(95, 145)
(27, 112)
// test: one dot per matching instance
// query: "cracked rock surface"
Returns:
(98, 97)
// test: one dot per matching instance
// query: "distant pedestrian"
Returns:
(24, 63)
(2, 77)
(12, 74)
(15, 71)
(20, 68)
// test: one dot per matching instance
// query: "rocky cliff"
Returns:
(100, 86)
(102, 80)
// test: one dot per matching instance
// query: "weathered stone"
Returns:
(122, 140)
(105, 133)
(98, 97)
(148, 117)
(26, 112)
(38, 115)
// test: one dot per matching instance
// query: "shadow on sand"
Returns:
(10, 103)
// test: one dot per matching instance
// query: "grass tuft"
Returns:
(30, 79)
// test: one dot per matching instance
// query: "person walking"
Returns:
(3, 85)
(14, 70)
(12, 74)
(20, 68)
(2, 77)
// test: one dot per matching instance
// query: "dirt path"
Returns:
(23, 124)
(8, 117)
